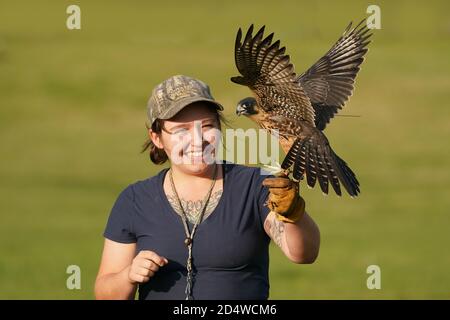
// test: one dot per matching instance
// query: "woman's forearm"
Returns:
(302, 240)
(299, 241)
(115, 286)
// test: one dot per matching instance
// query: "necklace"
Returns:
(190, 235)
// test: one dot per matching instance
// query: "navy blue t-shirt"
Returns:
(230, 249)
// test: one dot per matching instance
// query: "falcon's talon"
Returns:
(274, 170)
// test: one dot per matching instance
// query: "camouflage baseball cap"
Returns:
(175, 93)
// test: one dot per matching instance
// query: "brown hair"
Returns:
(159, 156)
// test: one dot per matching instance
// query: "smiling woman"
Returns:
(204, 126)
(200, 229)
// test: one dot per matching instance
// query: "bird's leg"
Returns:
(284, 173)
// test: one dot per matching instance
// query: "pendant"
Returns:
(187, 241)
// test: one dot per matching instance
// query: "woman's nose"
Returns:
(197, 135)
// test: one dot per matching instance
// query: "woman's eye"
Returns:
(180, 131)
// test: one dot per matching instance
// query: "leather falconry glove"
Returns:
(284, 199)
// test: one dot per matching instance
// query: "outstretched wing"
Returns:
(267, 71)
(329, 82)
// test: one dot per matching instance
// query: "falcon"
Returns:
(297, 108)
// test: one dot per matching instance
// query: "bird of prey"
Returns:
(297, 108)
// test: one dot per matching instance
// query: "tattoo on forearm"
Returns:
(277, 231)
(192, 208)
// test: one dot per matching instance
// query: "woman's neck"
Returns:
(196, 181)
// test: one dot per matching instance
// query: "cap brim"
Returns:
(182, 103)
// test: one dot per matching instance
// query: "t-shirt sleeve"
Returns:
(262, 193)
(119, 227)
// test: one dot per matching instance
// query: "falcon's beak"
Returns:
(240, 109)
(246, 107)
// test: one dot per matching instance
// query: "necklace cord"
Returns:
(190, 235)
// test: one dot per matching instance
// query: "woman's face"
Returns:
(190, 138)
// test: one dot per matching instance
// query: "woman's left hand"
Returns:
(284, 199)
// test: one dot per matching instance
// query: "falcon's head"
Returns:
(247, 107)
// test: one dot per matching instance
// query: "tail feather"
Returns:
(324, 172)
(351, 183)
(315, 158)
(300, 162)
(311, 170)
(334, 179)
(291, 155)
(321, 173)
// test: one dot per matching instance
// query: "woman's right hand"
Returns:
(144, 266)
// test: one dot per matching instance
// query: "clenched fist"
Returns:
(144, 266)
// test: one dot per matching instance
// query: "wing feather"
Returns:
(330, 81)
(268, 72)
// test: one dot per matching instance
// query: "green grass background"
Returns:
(72, 115)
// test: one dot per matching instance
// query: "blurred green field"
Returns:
(72, 120)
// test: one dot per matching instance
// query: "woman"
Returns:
(201, 229)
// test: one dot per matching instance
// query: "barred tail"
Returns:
(314, 157)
